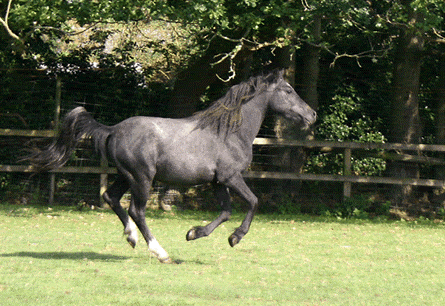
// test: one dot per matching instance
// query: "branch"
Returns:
(365, 54)
(358, 56)
(231, 55)
(7, 11)
(4, 22)
(440, 38)
(395, 24)
(306, 6)
(242, 44)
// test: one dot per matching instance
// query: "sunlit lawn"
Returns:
(62, 256)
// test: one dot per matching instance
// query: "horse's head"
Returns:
(285, 101)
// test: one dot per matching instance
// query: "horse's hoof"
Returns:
(191, 234)
(233, 240)
(131, 232)
(131, 242)
(195, 233)
(166, 260)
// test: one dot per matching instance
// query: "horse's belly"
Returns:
(188, 158)
(185, 171)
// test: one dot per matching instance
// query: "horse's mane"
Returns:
(224, 115)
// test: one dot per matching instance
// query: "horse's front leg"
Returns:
(223, 197)
(238, 185)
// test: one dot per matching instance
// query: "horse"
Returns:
(211, 146)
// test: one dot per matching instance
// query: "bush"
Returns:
(346, 120)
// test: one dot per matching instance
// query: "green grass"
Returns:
(66, 257)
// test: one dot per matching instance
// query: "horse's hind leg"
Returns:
(140, 193)
(223, 197)
(112, 196)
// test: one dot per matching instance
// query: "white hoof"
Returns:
(155, 248)
(132, 231)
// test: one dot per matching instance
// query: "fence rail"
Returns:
(323, 146)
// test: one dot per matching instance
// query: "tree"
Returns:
(405, 123)
(415, 21)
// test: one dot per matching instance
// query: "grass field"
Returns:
(62, 256)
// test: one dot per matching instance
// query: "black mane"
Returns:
(224, 115)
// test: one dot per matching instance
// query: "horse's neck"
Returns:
(253, 115)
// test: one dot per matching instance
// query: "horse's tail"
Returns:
(77, 123)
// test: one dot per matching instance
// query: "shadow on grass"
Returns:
(67, 255)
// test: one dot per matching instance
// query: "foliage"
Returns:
(252, 23)
(346, 120)
(287, 205)
(4, 181)
(356, 207)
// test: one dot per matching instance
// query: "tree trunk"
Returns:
(293, 159)
(189, 87)
(439, 193)
(311, 67)
(440, 112)
(405, 121)
(440, 123)
(289, 159)
(193, 81)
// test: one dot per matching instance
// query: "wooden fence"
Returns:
(324, 146)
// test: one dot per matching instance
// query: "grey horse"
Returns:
(214, 145)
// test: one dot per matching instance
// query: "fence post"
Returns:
(103, 180)
(58, 101)
(52, 187)
(347, 171)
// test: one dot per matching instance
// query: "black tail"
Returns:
(77, 123)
